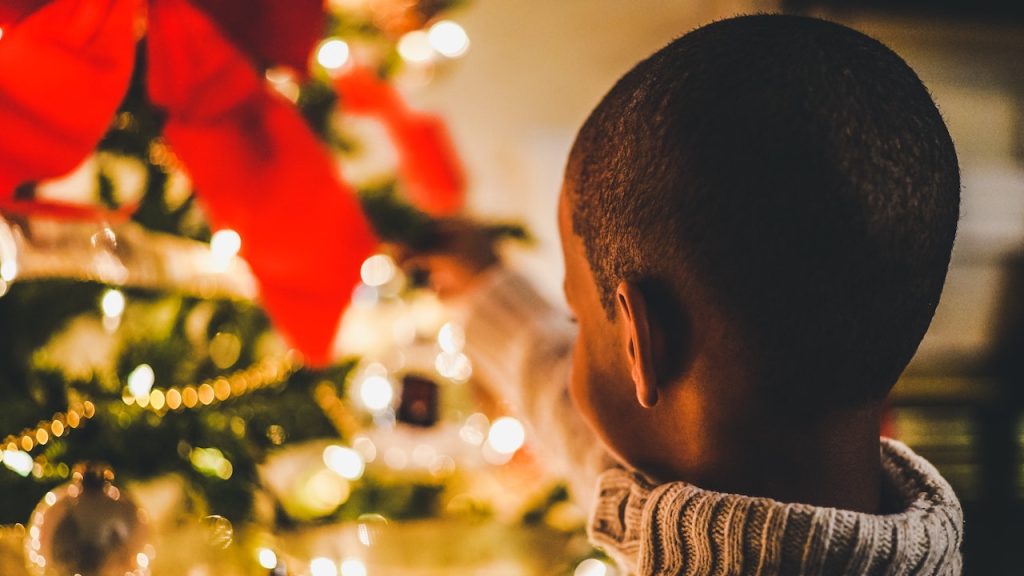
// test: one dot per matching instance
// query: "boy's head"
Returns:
(781, 195)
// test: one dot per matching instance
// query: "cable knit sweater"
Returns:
(520, 346)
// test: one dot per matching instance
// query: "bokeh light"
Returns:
(8, 270)
(224, 245)
(19, 462)
(451, 338)
(474, 430)
(140, 381)
(333, 53)
(591, 567)
(267, 558)
(506, 435)
(376, 392)
(448, 39)
(322, 567)
(353, 567)
(378, 270)
(344, 462)
(414, 47)
(112, 303)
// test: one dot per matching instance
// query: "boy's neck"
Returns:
(833, 461)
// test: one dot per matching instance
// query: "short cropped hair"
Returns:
(798, 173)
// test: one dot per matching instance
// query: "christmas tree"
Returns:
(171, 307)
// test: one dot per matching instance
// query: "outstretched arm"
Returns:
(521, 350)
(520, 346)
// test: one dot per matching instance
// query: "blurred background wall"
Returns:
(537, 67)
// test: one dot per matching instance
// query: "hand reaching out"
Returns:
(459, 252)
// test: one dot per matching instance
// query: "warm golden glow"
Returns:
(332, 53)
(206, 395)
(157, 399)
(173, 399)
(222, 389)
(190, 397)
(264, 374)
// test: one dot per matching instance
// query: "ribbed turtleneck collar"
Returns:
(679, 529)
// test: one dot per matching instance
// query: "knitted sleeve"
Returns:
(520, 346)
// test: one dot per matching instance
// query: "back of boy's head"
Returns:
(798, 173)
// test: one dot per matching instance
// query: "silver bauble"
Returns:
(88, 527)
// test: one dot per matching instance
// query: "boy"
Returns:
(756, 223)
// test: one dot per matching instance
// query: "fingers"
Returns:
(459, 252)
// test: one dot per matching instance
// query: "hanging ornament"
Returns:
(106, 258)
(419, 403)
(429, 169)
(88, 527)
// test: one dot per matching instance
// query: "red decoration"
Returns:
(12, 11)
(258, 169)
(63, 71)
(429, 168)
(270, 32)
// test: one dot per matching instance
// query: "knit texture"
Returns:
(679, 529)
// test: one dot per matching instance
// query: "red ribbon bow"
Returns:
(257, 168)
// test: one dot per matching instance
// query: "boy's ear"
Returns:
(641, 343)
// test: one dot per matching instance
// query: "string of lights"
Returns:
(263, 374)
(17, 447)
(16, 452)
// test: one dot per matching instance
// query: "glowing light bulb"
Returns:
(365, 447)
(415, 47)
(353, 567)
(140, 381)
(451, 338)
(344, 462)
(267, 558)
(225, 245)
(474, 431)
(591, 567)
(8, 270)
(19, 462)
(112, 303)
(283, 81)
(506, 435)
(377, 270)
(376, 392)
(333, 53)
(369, 528)
(455, 366)
(322, 567)
(278, 75)
(448, 38)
